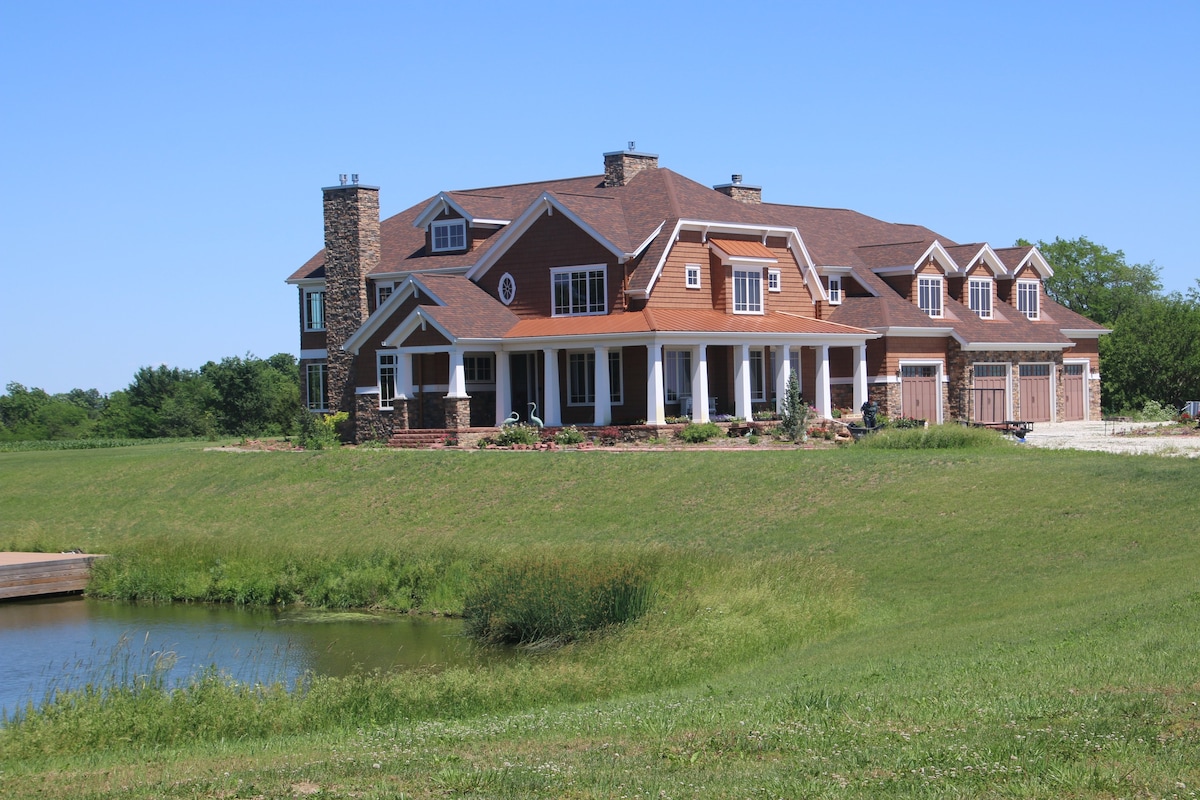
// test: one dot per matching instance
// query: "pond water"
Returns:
(67, 642)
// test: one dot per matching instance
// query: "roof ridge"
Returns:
(524, 183)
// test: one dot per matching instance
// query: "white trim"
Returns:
(581, 268)
(512, 282)
(1035, 259)
(942, 379)
(407, 288)
(688, 283)
(406, 328)
(1037, 294)
(1086, 333)
(940, 280)
(449, 224)
(915, 333)
(775, 276)
(835, 296)
(316, 354)
(989, 284)
(366, 390)
(935, 251)
(443, 202)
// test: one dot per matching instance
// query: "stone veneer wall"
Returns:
(622, 165)
(351, 252)
(961, 376)
(372, 423)
(458, 412)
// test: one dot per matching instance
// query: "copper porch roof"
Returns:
(744, 249)
(680, 321)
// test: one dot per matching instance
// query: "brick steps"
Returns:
(418, 438)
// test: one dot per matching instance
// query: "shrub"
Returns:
(544, 599)
(569, 435)
(517, 434)
(796, 412)
(1154, 411)
(696, 432)
(320, 431)
(936, 437)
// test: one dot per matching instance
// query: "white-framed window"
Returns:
(382, 292)
(758, 375)
(450, 234)
(929, 295)
(692, 272)
(314, 309)
(581, 372)
(317, 375)
(579, 291)
(507, 288)
(1028, 293)
(477, 368)
(747, 291)
(980, 296)
(774, 280)
(677, 374)
(835, 289)
(616, 394)
(388, 365)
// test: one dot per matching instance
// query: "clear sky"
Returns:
(163, 160)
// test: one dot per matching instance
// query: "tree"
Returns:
(1153, 353)
(1094, 281)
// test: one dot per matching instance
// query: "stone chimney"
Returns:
(751, 195)
(351, 252)
(620, 166)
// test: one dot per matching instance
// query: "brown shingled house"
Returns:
(639, 294)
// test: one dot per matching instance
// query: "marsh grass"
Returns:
(950, 435)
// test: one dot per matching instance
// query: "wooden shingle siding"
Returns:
(906, 347)
(670, 291)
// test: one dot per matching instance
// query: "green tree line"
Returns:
(234, 396)
(1153, 352)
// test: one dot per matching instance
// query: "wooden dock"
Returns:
(34, 574)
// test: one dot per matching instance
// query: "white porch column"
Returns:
(860, 376)
(404, 376)
(783, 371)
(603, 406)
(551, 415)
(503, 389)
(700, 383)
(741, 381)
(655, 391)
(458, 374)
(824, 408)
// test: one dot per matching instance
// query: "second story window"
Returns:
(1027, 298)
(449, 235)
(314, 309)
(774, 280)
(747, 291)
(382, 292)
(579, 291)
(693, 276)
(980, 300)
(929, 295)
(835, 290)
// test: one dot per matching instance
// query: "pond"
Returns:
(67, 642)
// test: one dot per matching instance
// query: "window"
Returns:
(579, 292)
(747, 291)
(990, 370)
(317, 374)
(388, 363)
(508, 288)
(478, 368)
(382, 292)
(1027, 298)
(758, 373)
(693, 276)
(449, 235)
(615, 393)
(581, 369)
(980, 301)
(773, 280)
(929, 295)
(835, 290)
(314, 309)
(677, 374)
(1034, 370)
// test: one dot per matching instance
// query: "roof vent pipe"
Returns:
(736, 179)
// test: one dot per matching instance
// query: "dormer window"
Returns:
(1027, 298)
(579, 291)
(980, 300)
(693, 276)
(929, 295)
(448, 235)
(774, 280)
(747, 291)
(835, 290)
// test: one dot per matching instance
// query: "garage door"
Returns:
(919, 393)
(1035, 393)
(1073, 392)
(990, 393)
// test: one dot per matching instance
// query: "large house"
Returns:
(639, 294)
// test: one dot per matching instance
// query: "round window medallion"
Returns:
(508, 288)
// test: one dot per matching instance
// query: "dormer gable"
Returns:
(450, 227)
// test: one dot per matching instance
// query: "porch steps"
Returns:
(417, 438)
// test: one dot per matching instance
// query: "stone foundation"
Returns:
(371, 423)
(458, 412)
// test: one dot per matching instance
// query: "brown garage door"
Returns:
(1073, 392)
(990, 393)
(919, 393)
(1035, 392)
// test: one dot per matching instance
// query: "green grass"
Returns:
(984, 622)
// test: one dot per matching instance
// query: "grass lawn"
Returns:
(998, 622)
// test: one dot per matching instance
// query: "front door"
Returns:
(919, 393)
(523, 368)
(990, 393)
(1035, 393)
(1073, 392)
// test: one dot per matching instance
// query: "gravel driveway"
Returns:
(1111, 438)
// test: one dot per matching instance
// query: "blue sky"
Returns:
(164, 160)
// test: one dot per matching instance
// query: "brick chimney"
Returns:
(621, 165)
(351, 252)
(751, 195)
